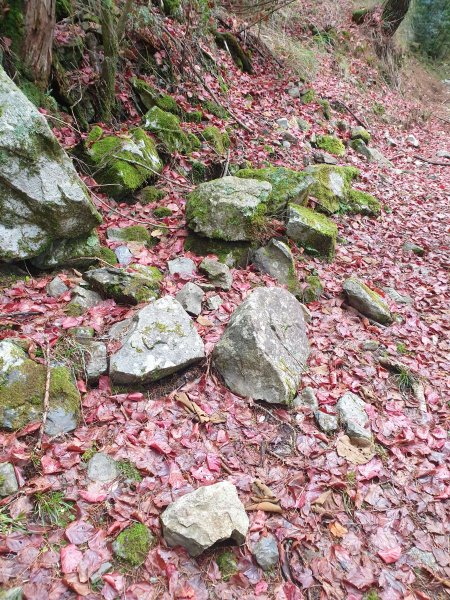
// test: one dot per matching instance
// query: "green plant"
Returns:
(372, 595)
(52, 509)
(405, 379)
(378, 109)
(89, 453)
(128, 470)
(351, 478)
(10, 525)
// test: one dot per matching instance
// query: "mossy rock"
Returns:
(138, 284)
(312, 231)
(107, 255)
(229, 42)
(41, 99)
(287, 186)
(218, 140)
(330, 144)
(215, 109)
(308, 96)
(366, 301)
(151, 194)
(358, 202)
(166, 127)
(150, 97)
(194, 116)
(359, 15)
(133, 233)
(326, 109)
(22, 391)
(80, 252)
(161, 212)
(133, 544)
(232, 254)
(360, 133)
(122, 163)
(227, 563)
(332, 185)
(313, 290)
(172, 8)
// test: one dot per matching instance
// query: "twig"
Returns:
(46, 351)
(432, 162)
(12, 315)
(357, 119)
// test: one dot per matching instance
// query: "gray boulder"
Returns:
(209, 515)
(230, 208)
(138, 284)
(366, 301)
(370, 153)
(264, 348)
(56, 288)
(190, 297)
(266, 552)
(22, 390)
(161, 340)
(42, 199)
(8, 481)
(102, 468)
(217, 273)
(353, 417)
(276, 260)
(313, 231)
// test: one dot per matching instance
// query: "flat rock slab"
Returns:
(366, 301)
(162, 339)
(102, 468)
(264, 348)
(205, 517)
(276, 260)
(228, 208)
(312, 231)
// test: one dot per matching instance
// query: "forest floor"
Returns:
(377, 530)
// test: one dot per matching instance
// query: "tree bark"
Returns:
(394, 11)
(111, 53)
(38, 40)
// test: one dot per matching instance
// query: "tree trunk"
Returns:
(38, 40)
(394, 11)
(111, 52)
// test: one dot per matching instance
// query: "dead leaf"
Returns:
(323, 497)
(204, 322)
(337, 529)
(195, 409)
(266, 507)
(355, 455)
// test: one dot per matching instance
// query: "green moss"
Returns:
(233, 254)
(313, 291)
(151, 194)
(94, 135)
(229, 42)
(314, 232)
(166, 128)
(161, 212)
(330, 144)
(172, 8)
(287, 186)
(195, 116)
(39, 98)
(215, 109)
(133, 544)
(107, 255)
(227, 563)
(79, 252)
(308, 97)
(133, 233)
(198, 171)
(332, 185)
(326, 109)
(358, 202)
(218, 140)
(12, 25)
(359, 15)
(124, 163)
(378, 109)
(74, 310)
(128, 470)
(22, 393)
(361, 133)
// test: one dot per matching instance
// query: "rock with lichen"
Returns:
(133, 544)
(137, 284)
(166, 127)
(331, 144)
(276, 260)
(22, 392)
(366, 301)
(331, 185)
(80, 252)
(8, 480)
(42, 198)
(312, 231)
(229, 209)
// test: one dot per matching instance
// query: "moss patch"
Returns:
(161, 212)
(166, 127)
(227, 563)
(215, 109)
(218, 140)
(133, 544)
(362, 203)
(313, 289)
(151, 194)
(330, 144)
(332, 185)
(361, 133)
(133, 233)
(229, 42)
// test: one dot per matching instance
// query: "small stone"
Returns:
(306, 398)
(370, 345)
(276, 260)
(56, 288)
(217, 273)
(423, 558)
(96, 360)
(360, 133)
(414, 248)
(123, 255)
(81, 332)
(283, 123)
(214, 302)
(83, 299)
(190, 297)
(266, 552)
(366, 301)
(327, 423)
(8, 480)
(370, 153)
(290, 137)
(209, 515)
(396, 297)
(294, 92)
(313, 289)
(286, 144)
(352, 414)
(411, 140)
(320, 157)
(359, 436)
(182, 266)
(102, 468)
(443, 154)
(303, 125)
(97, 576)
(133, 544)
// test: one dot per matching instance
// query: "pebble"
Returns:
(8, 480)
(266, 552)
(327, 423)
(102, 468)
(56, 288)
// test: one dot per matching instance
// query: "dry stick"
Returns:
(46, 395)
(432, 162)
(357, 119)
(19, 314)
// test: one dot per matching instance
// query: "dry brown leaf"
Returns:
(262, 490)
(355, 455)
(265, 506)
(323, 497)
(204, 322)
(195, 409)
(337, 529)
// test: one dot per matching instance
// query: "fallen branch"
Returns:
(46, 404)
(349, 110)
(20, 314)
(432, 162)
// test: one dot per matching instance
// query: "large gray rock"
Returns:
(161, 340)
(22, 390)
(205, 517)
(264, 348)
(42, 199)
(366, 301)
(8, 481)
(230, 208)
(276, 260)
(352, 414)
(138, 284)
